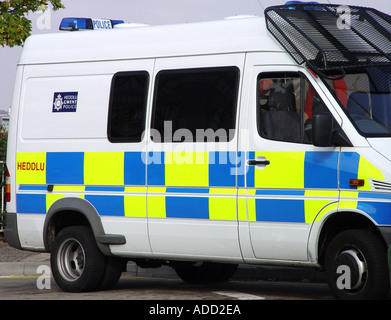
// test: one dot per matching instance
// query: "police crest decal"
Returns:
(65, 102)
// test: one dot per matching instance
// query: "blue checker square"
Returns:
(222, 169)
(187, 207)
(107, 205)
(277, 210)
(31, 203)
(134, 168)
(321, 170)
(156, 169)
(65, 168)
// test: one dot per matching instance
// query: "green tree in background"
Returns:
(14, 26)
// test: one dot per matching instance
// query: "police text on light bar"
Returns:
(76, 24)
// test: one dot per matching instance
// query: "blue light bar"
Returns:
(311, 5)
(76, 24)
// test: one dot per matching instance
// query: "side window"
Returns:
(195, 105)
(127, 109)
(286, 104)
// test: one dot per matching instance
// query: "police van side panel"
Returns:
(299, 196)
(287, 188)
(191, 172)
(64, 158)
(76, 167)
(63, 151)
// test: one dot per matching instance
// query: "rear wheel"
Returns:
(76, 261)
(356, 266)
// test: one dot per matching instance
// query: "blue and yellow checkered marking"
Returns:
(198, 169)
(299, 170)
(190, 203)
(192, 169)
(201, 185)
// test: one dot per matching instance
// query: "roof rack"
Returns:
(331, 38)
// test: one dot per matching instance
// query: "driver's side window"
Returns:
(286, 103)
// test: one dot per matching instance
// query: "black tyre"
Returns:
(356, 266)
(114, 268)
(76, 261)
(204, 272)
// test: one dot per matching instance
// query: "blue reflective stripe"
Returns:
(187, 190)
(374, 195)
(33, 188)
(105, 188)
(277, 192)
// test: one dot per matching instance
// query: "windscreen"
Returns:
(365, 95)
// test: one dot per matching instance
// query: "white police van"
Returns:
(258, 140)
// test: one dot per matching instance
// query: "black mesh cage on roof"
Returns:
(330, 38)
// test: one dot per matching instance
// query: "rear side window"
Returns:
(195, 105)
(127, 107)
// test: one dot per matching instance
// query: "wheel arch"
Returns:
(341, 221)
(77, 211)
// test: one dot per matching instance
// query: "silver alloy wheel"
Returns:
(70, 259)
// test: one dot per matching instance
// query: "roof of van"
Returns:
(226, 36)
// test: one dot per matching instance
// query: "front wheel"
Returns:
(76, 261)
(356, 266)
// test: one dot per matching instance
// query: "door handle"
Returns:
(254, 162)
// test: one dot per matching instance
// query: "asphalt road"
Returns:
(150, 289)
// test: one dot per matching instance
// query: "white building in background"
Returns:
(4, 119)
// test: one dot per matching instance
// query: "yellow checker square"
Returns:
(52, 198)
(31, 167)
(368, 170)
(223, 207)
(251, 205)
(156, 203)
(136, 202)
(286, 170)
(315, 201)
(186, 168)
(348, 200)
(242, 208)
(104, 168)
(75, 189)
